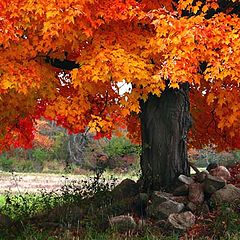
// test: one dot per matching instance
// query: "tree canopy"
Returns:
(65, 60)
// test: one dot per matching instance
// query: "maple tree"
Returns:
(64, 60)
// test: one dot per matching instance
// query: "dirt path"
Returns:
(30, 182)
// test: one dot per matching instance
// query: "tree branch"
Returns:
(62, 64)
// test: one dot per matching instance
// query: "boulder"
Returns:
(182, 220)
(191, 206)
(5, 221)
(122, 223)
(211, 166)
(164, 209)
(212, 184)
(186, 180)
(228, 194)
(196, 194)
(66, 212)
(181, 190)
(221, 172)
(180, 199)
(140, 203)
(126, 189)
(201, 176)
(204, 209)
(142, 199)
(158, 197)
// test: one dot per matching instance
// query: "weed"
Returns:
(228, 220)
(21, 206)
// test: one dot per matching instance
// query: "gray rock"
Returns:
(160, 197)
(180, 199)
(200, 177)
(182, 220)
(164, 209)
(5, 221)
(205, 208)
(122, 223)
(185, 179)
(191, 206)
(141, 202)
(211, 166)
(228, 194)
(143, 197)
(126, 189)
(221, 172)
(196, 194)
(65, 212)
(212, 184)
(182, 190)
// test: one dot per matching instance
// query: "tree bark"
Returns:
(165, 122)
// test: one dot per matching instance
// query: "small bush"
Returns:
(40, 155)
(120, 146)
(121, 152)
(6, 164)
(22, 165)
(208, 155)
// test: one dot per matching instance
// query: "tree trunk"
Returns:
(165, 122)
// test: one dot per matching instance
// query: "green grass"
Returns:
(2, 200)
(31, 233)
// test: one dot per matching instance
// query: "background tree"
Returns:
(64, 60)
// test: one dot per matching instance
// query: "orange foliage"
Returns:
(141, 42)
(40, 139)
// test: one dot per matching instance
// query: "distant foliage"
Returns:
(120, 146)
(207, 155)
(6, 164)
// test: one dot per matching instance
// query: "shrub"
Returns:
(121, 152)
(208, 155)
(120, 146)
(22, 165)
(40, 155)
(6, 164)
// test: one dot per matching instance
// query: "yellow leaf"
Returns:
(74, 74)
(195, 9)
(210, 98)
(205, 8)
(214, 6)
(232, 119)
(6, 84)
(175, 40)
(125, 112)
(174, 85)
(46, 26)
(51, 14)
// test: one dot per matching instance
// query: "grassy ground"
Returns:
(25, 205)
(2, 200)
